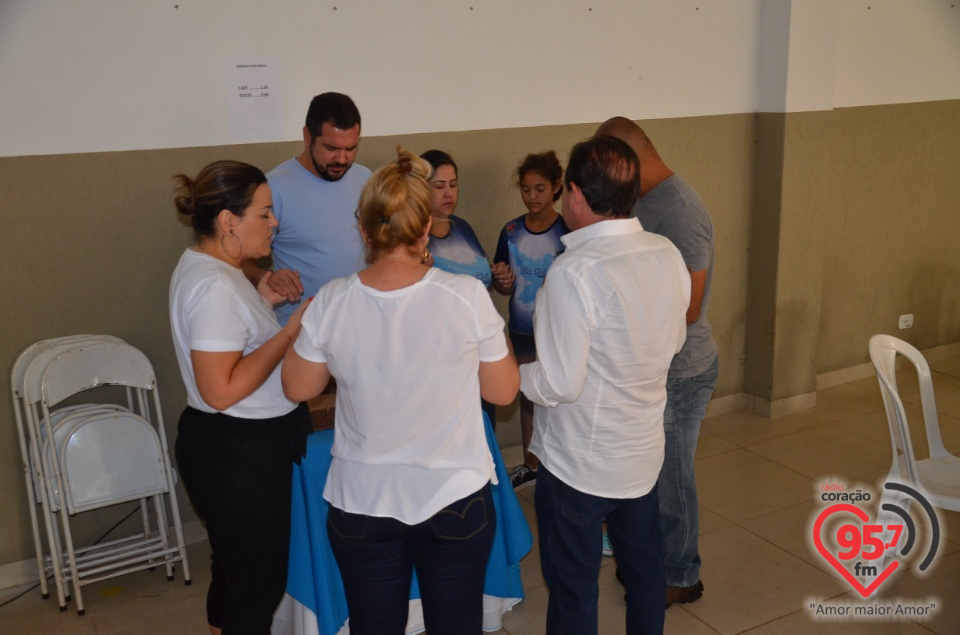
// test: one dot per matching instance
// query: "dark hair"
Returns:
(221, 185)
(438, 158)
(394, 206)
(335, 109)
(546, 165)
(607, 171)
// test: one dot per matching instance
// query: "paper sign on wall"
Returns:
(253, 99)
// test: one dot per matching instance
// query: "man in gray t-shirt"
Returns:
(671, 208)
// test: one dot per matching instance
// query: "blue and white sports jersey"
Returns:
(460, 252)
(529, 256)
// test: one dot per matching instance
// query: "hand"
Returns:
(503, 276)
(292, 327)
(281, 286)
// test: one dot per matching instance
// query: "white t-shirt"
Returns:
(409, 436)
(214, 308)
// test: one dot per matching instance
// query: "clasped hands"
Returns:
(281, 286)
(502, 276)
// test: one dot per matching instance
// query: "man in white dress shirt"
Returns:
(609, 319)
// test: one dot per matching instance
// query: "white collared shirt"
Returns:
(609, 319)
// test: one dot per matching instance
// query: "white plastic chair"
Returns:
(937, 477)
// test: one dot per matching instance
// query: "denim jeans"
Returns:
(376, 557)
(570, 532)
(687, 400)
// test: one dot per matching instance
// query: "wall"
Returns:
(890, 227)
(119, 75)
(95, 237)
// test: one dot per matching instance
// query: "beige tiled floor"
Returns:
(758, 482)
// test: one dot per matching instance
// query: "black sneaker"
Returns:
(522, 476)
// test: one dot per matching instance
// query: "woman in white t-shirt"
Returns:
(239, 435)
(412, 348)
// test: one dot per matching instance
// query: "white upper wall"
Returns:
(897, 51)
(129, 75)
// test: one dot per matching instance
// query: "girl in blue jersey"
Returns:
(527, 247)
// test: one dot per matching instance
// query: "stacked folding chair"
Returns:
(82, 457)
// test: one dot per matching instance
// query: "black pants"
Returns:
(238, 473)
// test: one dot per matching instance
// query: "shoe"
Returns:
(684, 594)
(607, 547)
(522, 476)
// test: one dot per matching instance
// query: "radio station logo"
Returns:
(867, 550)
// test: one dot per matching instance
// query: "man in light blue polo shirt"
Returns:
(315, 196)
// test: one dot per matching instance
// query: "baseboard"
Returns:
(862, 371)
(938, 353)
(723, 405)
(780, 407)
(21, 573)
(843, 375)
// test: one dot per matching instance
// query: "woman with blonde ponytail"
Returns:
(409, 484)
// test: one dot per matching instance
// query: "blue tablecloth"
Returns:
(314, 580)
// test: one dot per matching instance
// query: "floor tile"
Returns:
(845, 401)
(758, 480)
(744, 428)
(947, 366)
(170, 618)
(709, 444)
(711, 521)
(740, 484)
(790, 529)
(941, 586)
(828, 453)
(749, 581)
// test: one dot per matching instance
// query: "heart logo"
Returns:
(829, 557)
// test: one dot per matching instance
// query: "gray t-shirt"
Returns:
(674, 210)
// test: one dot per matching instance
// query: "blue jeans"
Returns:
(376, 557)
(570, 532)
(687, 400)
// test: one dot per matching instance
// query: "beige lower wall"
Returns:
(892, 230)
(855, 221)
(90, 241)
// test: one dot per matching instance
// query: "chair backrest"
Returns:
(105, 364)
(28, 370)
(883, 352)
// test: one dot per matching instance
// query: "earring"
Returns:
(223, 245)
